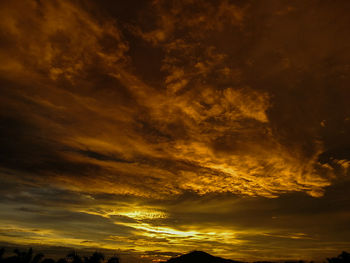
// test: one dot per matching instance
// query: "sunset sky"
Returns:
(159, 127)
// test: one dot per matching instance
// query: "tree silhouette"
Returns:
(344, 257)
(27, 257)
(95, 258)
(2, 252)
(74, 257)
(48, 260)
(113, 259)
(62, 260)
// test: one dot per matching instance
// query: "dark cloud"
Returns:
(165, 126)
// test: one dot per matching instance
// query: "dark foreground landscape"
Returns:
(195, 256)
(145, 129)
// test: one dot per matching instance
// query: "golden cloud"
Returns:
(136, 139)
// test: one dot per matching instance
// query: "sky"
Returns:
(154, 128)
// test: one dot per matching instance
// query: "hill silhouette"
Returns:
(200, 257)
(193, 257)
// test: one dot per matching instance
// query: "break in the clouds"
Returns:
(119, 114)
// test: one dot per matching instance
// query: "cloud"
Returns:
(108, 120)
(225, 131)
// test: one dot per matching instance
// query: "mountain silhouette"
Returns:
(200, 257)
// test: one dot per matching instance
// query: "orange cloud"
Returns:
(233, 112)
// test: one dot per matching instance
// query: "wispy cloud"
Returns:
(114, 122)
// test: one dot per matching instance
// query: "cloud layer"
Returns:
(177, 99)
